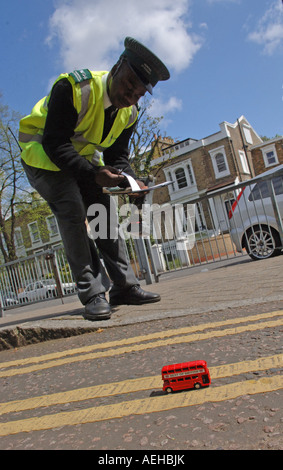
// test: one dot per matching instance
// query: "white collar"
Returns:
(106, 99)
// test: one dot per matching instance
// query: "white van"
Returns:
(253, 222)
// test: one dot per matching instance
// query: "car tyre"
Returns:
(262, 242)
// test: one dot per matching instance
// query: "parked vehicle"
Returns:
(252, 218)
(8, 298)
(44, 289)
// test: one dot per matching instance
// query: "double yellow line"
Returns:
(140, 343)
(149, 404)
(139, 406)
(134, 385)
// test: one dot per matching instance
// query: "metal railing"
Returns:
(241, 219)
(36, 278)
(234, 221)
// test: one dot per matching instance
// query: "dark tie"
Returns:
(110, 114)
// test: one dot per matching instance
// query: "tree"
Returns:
(144, 140)
(12, 181)
(265, 139)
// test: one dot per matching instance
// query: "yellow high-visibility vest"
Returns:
(88, 102)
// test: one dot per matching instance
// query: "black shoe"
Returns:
(135, 295)
(97, 308)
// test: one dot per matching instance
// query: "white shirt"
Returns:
(106, 99)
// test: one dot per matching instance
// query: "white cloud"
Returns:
(90, 34)
(160, 108)
(269, 31)
(223, 1)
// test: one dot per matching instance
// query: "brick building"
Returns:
(200, 167)
(267, 155)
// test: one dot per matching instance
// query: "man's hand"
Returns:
(142, 186)
(107, 176)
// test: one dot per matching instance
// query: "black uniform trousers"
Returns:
(69, 199)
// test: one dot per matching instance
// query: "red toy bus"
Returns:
(194, 374)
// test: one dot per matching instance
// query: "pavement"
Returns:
(207, 288)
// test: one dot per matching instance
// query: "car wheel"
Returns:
(169, 390)
(262, 242)
(197, 386)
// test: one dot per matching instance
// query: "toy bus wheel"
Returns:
(169, 390)
(197, 386)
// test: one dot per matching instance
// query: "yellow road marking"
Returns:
(134, 385)
(134, 340)
(142, 406)
(144, 346)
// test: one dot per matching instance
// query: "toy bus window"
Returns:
(194, 377)
(178, 370)
(180, 380)
(187, 378)
(185, 368)
(193, 368)
(173, 380)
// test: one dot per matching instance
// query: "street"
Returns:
(103, 390)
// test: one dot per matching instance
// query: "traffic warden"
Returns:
(88, 114)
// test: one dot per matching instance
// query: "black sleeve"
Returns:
(118, 154)
(59, 128)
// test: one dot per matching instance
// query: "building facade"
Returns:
(197, 168)
(266, 155)
(36, 229)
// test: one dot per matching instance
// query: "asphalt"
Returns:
(208, 288)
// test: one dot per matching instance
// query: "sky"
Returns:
(224, 56)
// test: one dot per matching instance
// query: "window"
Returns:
(244, 162)
(182, 175)
(219, 162)
(171, 179)
(269, 156)
(52, 226)
(248, 135)
(191, 177)
(181, 178)
(261, 189)
(34, 232)
(19, 241)
(29, 288)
